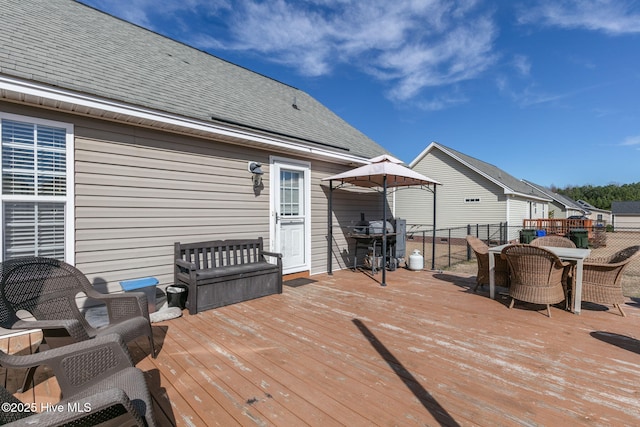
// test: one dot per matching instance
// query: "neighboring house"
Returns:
(600, 216)
(625, 214)
(560, 206)
(472, 192)
(118, 142)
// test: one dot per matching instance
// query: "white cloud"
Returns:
(442, 102)
(522, 64)
(613, 17)
(631, 140)
(145, 13)
(411, 45)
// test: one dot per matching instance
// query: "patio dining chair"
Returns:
(553, 240)
(98, 382)
(556, 241)
(481, 251)
(602, 278)
(47, 289)
(538, 276)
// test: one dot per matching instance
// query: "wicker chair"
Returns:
(601, 278)
(481, 250)
(554, 241)
(538, 276)
(98, 382)
(47, 289)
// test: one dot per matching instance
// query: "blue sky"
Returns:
(548, 91)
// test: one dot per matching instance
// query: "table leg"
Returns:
(492, 276)
(577, 288)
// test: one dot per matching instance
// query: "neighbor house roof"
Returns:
(559, 198)
(590, 207)
(68, 46)
(625, 208)
(510, 184)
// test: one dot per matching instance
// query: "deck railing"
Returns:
(560, 226)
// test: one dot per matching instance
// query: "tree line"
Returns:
(602, 196)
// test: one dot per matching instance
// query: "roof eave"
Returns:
(53, 98)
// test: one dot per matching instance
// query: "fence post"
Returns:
(468, 247)
(449, 241)
(424, 246)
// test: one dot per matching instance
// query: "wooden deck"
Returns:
(424, 350)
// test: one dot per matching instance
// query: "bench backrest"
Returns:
(219, 253)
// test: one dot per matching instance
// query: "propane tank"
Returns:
(416, 261)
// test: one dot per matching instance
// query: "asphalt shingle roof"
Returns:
(69, 45)
(625, 208)
(495, 173)
(556, 196)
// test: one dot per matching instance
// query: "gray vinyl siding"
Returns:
(138, 191)
(348, 204)
(458, 183)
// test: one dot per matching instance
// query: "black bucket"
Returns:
(177, 296)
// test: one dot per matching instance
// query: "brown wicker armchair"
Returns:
(538, 276)
(554, 241)
(601, 278)
(481, 250)
(98, 383)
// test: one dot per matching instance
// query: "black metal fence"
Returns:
(448, 247)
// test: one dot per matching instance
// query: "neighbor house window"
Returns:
(37, 188)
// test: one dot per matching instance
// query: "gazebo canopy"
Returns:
(384, 171)
(381, 167)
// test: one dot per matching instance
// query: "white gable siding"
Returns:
(557, 210)
(458, 184)
(518, 211)
(626, 221)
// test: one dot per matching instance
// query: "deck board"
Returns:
(424, 350)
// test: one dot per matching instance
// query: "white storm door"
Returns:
(291, 213)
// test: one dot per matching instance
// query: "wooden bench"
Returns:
(224, 272)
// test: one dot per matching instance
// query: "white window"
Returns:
(37, 188)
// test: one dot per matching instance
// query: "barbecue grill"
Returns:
(368, 236)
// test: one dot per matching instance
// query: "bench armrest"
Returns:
(185, 264)
(273, 254)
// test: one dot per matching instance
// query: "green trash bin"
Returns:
(580, 237)
(526, 236)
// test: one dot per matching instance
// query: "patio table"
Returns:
(576, 255)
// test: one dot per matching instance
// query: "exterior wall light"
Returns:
(256, 173)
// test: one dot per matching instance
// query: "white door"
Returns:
(290, 213)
